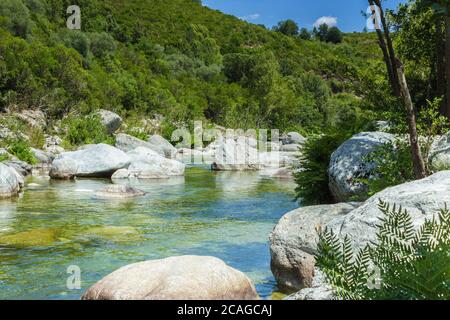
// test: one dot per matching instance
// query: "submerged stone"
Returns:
(31, 238)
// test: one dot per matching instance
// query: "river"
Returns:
(57, 224)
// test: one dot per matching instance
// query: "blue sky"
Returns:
(346, 13)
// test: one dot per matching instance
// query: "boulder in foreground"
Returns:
(293, 243)
(174, 278)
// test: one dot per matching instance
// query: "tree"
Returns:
(321, 32)
(334, 35)
(400, 88)
(304, 34)
(287, 27)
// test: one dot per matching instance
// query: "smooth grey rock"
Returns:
(293, 138)
(319, 290)
(440, 153)
(293, 243)
(169, 150)
(20, 166)
(422, 199)
(9, 183)
(121, 174)
(347, 164)
(42, 157)
(101, 160)
(148, 164)
(128, 143)
(117, 191)
(290, 148)
(174, 278)
(110, 120)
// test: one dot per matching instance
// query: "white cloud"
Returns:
(330, 21)
(253, 16)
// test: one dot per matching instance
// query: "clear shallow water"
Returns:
(56, 224)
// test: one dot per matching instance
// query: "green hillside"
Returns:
(182, 60)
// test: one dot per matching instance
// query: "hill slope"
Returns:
(179, 59)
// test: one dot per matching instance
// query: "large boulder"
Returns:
(293, 243)
(174, 278)
(169, 150)
(348, 164)
(148, 164)
(110, 120)
(99, 160)
(235, 155)
(20, 166)
(128, 143)
(422, 199)
(9, 182)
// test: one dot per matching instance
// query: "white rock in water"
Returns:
(174, 278)
(119, 191)
(348, 164)
(101, 160)
(9, 182)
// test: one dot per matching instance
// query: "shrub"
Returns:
(86, 130)
(411, 265)
(21, 149)
(312, 176)
(392, 166)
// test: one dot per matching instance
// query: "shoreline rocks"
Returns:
(174, 278)
(293, 243)
(128, 143)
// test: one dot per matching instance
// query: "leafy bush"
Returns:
(392, 166)
(312, 176)
(21, 149)
(86, 130)
(412, 265)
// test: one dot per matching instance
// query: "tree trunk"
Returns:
(447, 58)
(387, 59)
(440, 64)
(390, 47)
(418, 163)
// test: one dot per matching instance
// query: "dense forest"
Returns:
(184, 61)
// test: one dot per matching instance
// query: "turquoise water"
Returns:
(56, 224)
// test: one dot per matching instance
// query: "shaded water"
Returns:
(56, 224)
